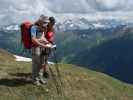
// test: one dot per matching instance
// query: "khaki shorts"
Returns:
(40, 54)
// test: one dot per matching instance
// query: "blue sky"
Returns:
(13, 11)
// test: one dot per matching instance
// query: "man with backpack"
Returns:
(37, 31)
(32, 39)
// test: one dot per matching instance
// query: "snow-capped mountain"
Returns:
(79, 24)
(82, 23)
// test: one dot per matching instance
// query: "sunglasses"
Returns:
(44, 24)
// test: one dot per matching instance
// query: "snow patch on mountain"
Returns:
(25, 59)
(98, 25)
(20, 58)
(11, 27)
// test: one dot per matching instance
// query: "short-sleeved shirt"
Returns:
(35, 32)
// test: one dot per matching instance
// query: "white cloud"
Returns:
(115, 4)
(15, 11)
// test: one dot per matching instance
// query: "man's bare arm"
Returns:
(37, 42)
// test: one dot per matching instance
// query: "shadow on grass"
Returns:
(21, 75)
(18, 79)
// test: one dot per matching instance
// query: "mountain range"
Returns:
(79, 24)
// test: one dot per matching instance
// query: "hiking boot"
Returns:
(46, 74)
(37, 82)
(43, 81)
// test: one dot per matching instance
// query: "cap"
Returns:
(44, 19)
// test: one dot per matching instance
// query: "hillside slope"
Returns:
(78, 83)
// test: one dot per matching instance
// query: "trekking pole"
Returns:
(54, 80)
(58, 71)
(53, 76)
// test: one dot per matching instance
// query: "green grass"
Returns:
(78, 83)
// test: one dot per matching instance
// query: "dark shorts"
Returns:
(45, 51)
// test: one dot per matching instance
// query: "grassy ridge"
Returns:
(78, 83)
